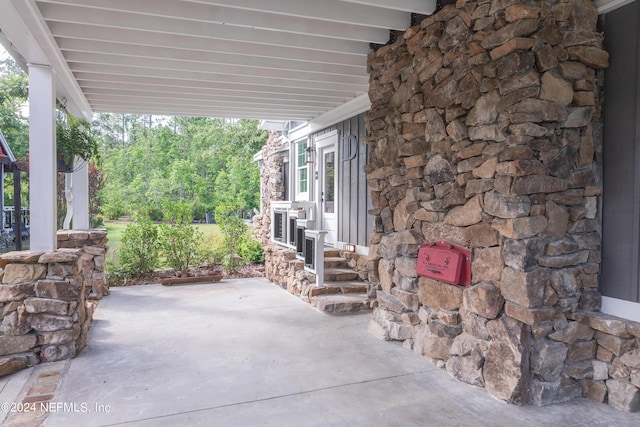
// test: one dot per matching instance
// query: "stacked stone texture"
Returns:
(94, 250)
(45, 313)
(285, 270)
(483, 132)
(271, 186)
(44, 302)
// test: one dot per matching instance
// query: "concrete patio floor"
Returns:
(246, 353)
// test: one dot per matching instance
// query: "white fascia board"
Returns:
(275, 125)
(606, 6)
(28, 33)
(348, 109)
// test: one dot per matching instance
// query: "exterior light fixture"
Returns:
(310, 155)
(349, 247)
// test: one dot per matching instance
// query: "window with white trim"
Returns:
(302, 171)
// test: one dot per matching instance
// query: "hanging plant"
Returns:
(74, 139)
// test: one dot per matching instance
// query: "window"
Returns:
(285, 181)
(302, 170)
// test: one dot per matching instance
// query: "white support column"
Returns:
(42, 158)
(80, 192)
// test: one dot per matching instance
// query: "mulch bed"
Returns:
(247, 271)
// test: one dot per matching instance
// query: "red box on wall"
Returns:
(445, 262)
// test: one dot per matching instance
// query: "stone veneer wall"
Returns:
(94, 251)
(483, 132)
(271, 186)
(281, 265)
(44, 302)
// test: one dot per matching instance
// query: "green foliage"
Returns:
(211, 249)
(179, 244)
(97, 221)
(233, 231)
(250, 249)
(116, 275)
(14, 86)
(139, 252)
(159, 161)
(74, 138)
(178, 212)
(113, 209)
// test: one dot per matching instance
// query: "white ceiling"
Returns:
(265, 59)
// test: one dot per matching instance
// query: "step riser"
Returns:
(335, 263)
(340, 277)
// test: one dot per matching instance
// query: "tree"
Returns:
(151, 161)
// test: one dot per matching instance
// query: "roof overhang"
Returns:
(269, 59)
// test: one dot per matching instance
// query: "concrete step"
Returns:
(335, 262)
(341, 303)
(333, 288)
(340, 275)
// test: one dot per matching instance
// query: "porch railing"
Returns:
(9, 218)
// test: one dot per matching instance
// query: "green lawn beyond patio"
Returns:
(116, 228)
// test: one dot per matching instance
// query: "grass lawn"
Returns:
(116, 228)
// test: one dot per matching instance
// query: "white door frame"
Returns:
(322, 142)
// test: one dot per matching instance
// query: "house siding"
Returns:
(354, 225)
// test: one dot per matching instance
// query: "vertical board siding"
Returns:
(354, 223)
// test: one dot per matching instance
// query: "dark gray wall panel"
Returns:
(621, 184)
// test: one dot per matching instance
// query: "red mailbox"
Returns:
(445, 262)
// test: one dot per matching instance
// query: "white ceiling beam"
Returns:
(104, 80)
(182, 27)
(93, 93)
(327, 10)
(162, 111)
(166, 64)
(423, 7)
(88, 32)
(195, 93)
(113, 71)
(210, 15)
(170, 54)
(255, 110)
(266, 109)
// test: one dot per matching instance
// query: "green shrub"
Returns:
(179, 244)
(97, 221)
(147, 212)
(251, 250)
(211, 249)
(116, 275)
(139, 251)
(233, 231)
(113, 211)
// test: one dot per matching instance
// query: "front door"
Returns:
(327, 183)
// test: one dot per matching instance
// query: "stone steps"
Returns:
(341, 303)
(332, 288)
(335, 262)
(331, 253)
(341, 291)
(339, 275)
